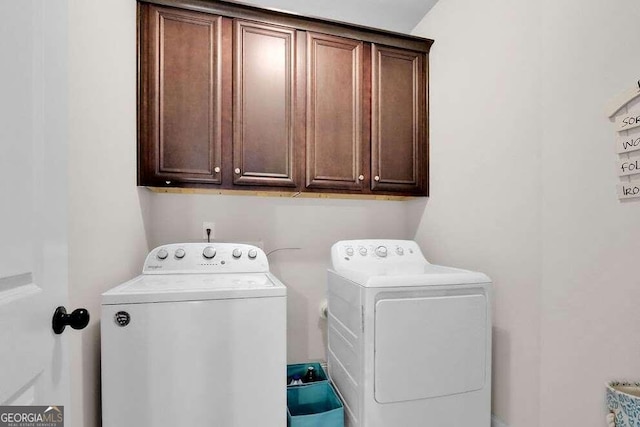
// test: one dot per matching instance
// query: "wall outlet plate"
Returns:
(208, 225)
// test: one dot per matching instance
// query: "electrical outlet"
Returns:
(212, 227)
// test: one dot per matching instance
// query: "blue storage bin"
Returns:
(301, 369)
(314, 405)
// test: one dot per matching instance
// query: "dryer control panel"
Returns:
(202, 258)
(370, 253)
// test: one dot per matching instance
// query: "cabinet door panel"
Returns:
(399, 149)
(263, 140)
(334, 112)
(181, 136)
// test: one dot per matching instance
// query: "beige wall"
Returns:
(107, 243)
(523, 187)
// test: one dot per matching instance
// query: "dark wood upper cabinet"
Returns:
(399, 158)
(235, 97)
(334, 148)
(263, 99)
(180, 132)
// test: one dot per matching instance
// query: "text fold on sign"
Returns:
(629, 166)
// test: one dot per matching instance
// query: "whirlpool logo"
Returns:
(31, 416)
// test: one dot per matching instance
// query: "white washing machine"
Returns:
(199, 339)
(409, 342)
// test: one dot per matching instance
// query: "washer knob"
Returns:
(162, 254)
(381, 251)
(237, 253)
(253, 253)
(350, 251)
(362, 250)
(209, 252)
(180, 253)
(399, 251)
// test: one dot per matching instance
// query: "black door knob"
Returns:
(77, 320)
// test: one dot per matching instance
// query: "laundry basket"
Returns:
(623, 403)
(314, 405)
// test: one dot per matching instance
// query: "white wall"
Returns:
(483, 211)
(523, 188)
(394, 15)
(590, 289)
(107, 242)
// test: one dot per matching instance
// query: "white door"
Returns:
(33, 201)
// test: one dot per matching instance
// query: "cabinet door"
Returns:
(180, 136)
(334, 154)
(399, 152)
(263, 97)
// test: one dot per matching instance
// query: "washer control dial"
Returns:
(237, 253)
(180, 253)
(362, 250)
(381, 251)
(162, 254)
(399, 251)
(253, 253)
(350, 251)
(209, 252)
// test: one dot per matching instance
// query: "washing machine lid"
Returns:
(409, 276)
(149, 288)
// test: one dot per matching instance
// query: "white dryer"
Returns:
(409, 343)
(199, 339)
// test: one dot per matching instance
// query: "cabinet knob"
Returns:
(167, 182)
(377, 178)
(361, 177)
(217, 169)
(237, 171)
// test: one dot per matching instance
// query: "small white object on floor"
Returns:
(611, 419)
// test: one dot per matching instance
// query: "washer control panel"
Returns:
(362, 254)
(200, 258)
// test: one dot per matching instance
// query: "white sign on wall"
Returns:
(630, 120)
(629, 166)
(628, 143)
(627, 123)
(629, 190)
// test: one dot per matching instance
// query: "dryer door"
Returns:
(428, 347)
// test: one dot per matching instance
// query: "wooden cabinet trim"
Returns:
(152, 159)
(225, 114)
(313, 24)
(249, 177)
(314, 178)
(380, 180)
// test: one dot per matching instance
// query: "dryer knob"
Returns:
(209, 252)
(381, 251)
(162, 254)
(349, 251)
(253, 253)
(180, 253)
(237, 253)
(399, 251)
(362, 250)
